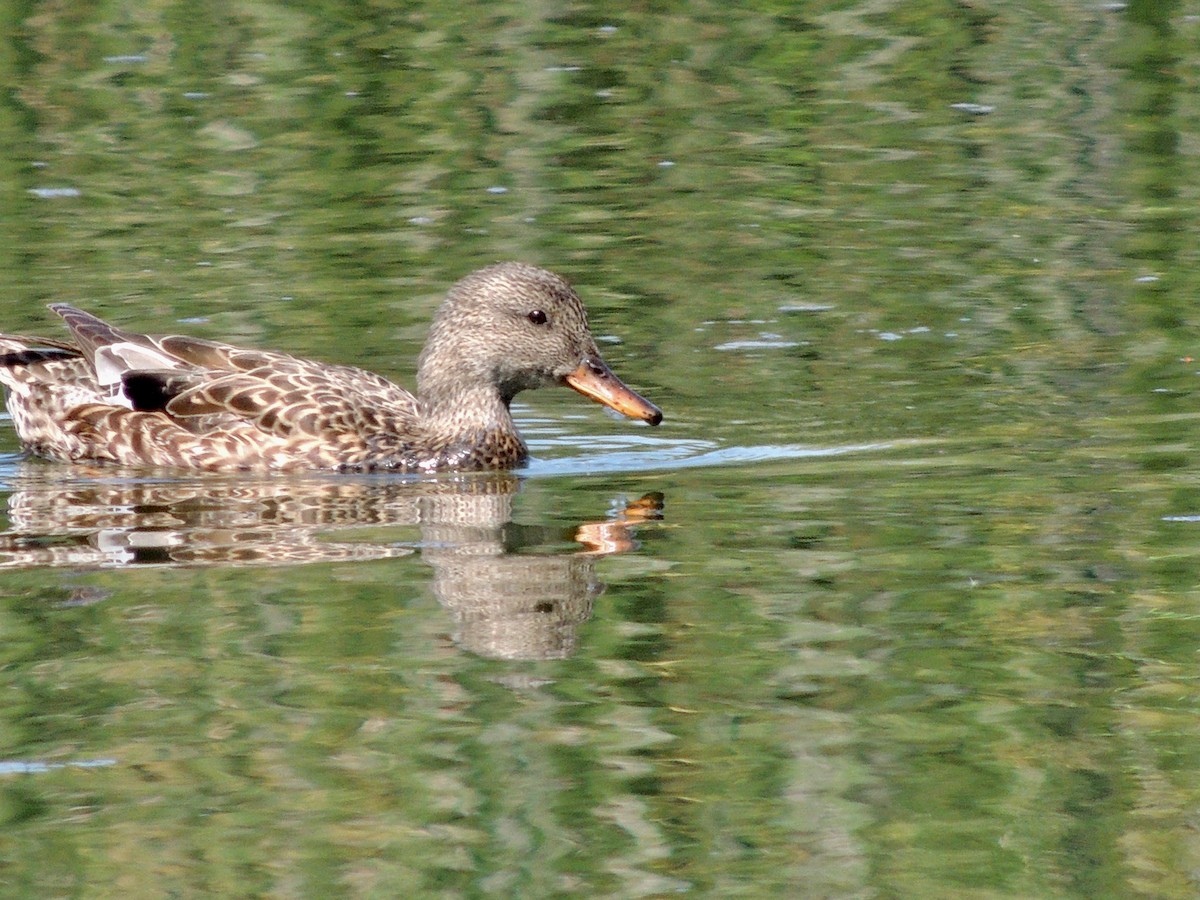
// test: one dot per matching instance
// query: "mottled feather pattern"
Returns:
(297, 415)
(120, 397)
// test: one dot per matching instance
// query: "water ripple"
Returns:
(651, 455)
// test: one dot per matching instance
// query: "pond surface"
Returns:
(901, 600)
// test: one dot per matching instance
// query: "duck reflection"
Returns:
(509, 599)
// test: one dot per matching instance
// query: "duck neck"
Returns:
(463, 405)
(462, 410)
(475, 420)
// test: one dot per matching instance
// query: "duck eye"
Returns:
(537, 317)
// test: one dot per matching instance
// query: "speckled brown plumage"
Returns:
(135, 400)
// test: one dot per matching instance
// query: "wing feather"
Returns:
(128, 396)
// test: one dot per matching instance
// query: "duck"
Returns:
(112, 396)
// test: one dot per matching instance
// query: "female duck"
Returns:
(119, 397)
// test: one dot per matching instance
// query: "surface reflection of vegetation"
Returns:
(508, 603)
(964, 666)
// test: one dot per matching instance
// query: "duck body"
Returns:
(115, 396)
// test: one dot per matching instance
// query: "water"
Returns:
(899, 601)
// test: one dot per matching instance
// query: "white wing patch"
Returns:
(113, 360)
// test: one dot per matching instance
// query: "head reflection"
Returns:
(514, 591)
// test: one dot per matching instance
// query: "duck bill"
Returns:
(596, 380)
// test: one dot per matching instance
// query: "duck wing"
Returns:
(285, 396)
(24, 358)
(208, 385)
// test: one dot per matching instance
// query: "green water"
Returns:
(901, 600)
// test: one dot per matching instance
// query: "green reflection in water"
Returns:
(959, 663)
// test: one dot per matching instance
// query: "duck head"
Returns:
(513, 327)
